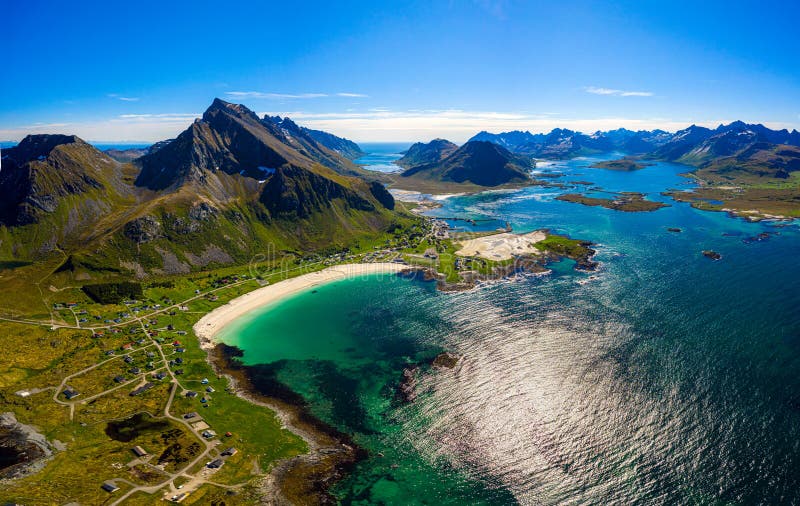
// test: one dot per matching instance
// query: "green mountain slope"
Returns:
(480, 163)
(427, 153)
(225, 190)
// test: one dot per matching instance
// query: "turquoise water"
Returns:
(666, 379)
(381, 155)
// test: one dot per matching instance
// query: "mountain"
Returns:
(757, 162)
(480, 163)
(226, 189)
(698, 145)
(344, 147)
(564, 143)
(301, 140)
(126, 155)
(43, 171)
(57, 187)
(512, 141)
(421, 153)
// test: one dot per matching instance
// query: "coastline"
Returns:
(306, 478)
(211, 323)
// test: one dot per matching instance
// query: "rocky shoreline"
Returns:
(307, 478)
(26, 449)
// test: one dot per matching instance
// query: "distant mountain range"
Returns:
(227, 187)
(562, 143)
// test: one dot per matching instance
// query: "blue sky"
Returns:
(140, 71)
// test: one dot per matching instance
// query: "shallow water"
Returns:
(670, 378)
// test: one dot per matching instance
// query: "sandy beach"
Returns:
(211, 323)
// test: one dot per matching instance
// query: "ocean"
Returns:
(663, 378)
(380, 155)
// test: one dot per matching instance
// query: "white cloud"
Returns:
(124, 99)
(620, 93)
(351, 95)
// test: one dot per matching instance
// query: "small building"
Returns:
(229, 452)
(71, 393)
(128, 359)
(142, 389)
(178, 371)
(160, 375)
(189, 416)
(134, 370)
(180, 350)
(215, 464)
(119, 379)
(127, 346)
(180, 497)
(191, 393)
(208, 434)
(139, 451)
(204, 381)
(210, 390)
(109, 487)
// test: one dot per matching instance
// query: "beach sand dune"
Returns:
(502, 246)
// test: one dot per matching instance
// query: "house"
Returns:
(71, 393)
(208, 434)
(160, 375)
(119, 379)
(215, 464)
(179, 360)
(180, 350)
(142, 389)
(128, 359)
(189, 416)
(139, 451)
(134, 370)
(109, 487)
(178, 371)
(176, 343)
(127, 346)
(209, 390)
(191, 393)
(180, 497)
(230, 452)
(204, 381)
(181, 332)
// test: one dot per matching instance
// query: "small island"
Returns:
(623, 201)
(713, 255)
(627, 164)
